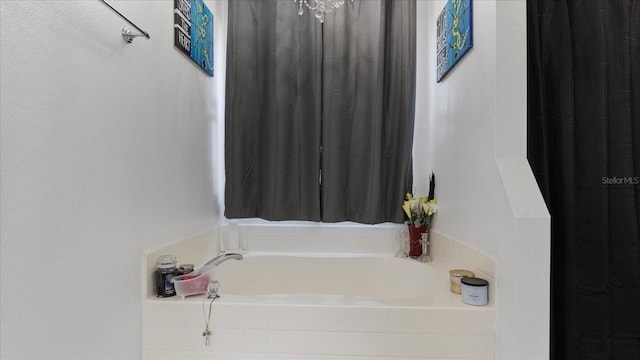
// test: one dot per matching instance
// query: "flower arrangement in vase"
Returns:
(419, 212)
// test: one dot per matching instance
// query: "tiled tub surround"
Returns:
(336, 304)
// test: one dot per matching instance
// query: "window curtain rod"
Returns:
(126, 34)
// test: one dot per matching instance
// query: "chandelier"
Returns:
(319, 7)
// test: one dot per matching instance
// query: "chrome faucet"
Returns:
(222, 258)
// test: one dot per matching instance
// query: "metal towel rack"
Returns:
(127, 35)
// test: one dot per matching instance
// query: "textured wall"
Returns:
(105, 151)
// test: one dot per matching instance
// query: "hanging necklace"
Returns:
(212, 293)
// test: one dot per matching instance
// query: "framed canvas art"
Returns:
(193, 32)
(454, 35)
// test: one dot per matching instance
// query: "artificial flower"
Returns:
(419, 211)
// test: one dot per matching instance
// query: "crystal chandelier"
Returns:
(319, 7)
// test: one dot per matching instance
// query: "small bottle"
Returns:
(166, 271)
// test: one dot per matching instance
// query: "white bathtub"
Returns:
(320, 306)
(379, 280)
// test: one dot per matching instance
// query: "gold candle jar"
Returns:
(454, 279)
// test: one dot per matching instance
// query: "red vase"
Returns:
(415, 247)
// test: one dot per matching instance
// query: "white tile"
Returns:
(303, 318)
(446, 322)
(303, 342)
(187, 355)
(366, 320)
(404, 345)
(158, 354)
(226, 316)
(226, 356)
(491, 347)
(376, 344)
(408, 321)
(174, 339)
(256, 341)
(476, 322)
(227, 340)
(159, 313)
(328, 343)
(475, 347)
(329, 318)
(465, 321)
(256, 317)
(277, 357)
(256, 356)
(279, 341)
(352, 343)
(279, 317)
(445, 346)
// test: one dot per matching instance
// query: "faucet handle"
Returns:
(213, 289)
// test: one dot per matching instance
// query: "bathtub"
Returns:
(331, 280)
(327, 306)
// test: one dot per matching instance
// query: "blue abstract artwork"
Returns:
(193, 32)
(454, 35)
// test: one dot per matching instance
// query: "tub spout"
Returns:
(222, 258)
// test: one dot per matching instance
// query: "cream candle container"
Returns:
(454, 279)
(474, 291)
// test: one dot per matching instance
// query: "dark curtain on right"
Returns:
(584, 148)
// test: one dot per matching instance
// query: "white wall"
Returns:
(105, 152)
(474, 128)
(458, 117)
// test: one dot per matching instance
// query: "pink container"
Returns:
(192, 283)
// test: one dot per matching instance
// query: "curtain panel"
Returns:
(584, 149)
(272, 126)
(320, 117)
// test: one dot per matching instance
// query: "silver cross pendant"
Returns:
(206, 333)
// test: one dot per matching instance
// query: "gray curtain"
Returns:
(368, 103)
(302, 96)
(272, 127)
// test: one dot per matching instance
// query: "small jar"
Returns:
(474, 291)
(185, 269)
(454, 279)
(164, 273)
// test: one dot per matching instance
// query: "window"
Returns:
(319, 117)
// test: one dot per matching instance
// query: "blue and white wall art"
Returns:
(193, 32)
(455, 35)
